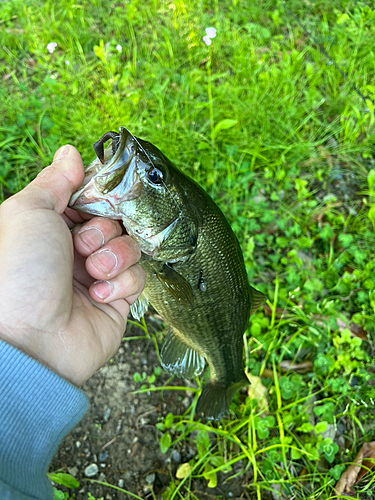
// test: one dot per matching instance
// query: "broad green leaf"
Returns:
(168, 422)
(60, 495)
(183, 471)
(64, 479)
(295, 454)
(321, 427)
(203, 443)
(257, 391)
(224, 125)
(371, 179)
(211, 476)
(342, 19)
(371, 213)
(165, 442)
(306, 427)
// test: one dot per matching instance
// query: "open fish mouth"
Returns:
(110, 179)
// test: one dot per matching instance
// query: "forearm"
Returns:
(37, 409)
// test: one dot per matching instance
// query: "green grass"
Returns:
(294, 174)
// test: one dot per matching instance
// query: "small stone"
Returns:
(144, 421)
(107, 414)
(91, 470)
(341, 442)
(121, 350)
(230, 494)
(186, 402)
(73, 471)
(176, 457)
(102, 477)
(150, 479)
(128, 475)
(78, 444)
(103, 456)
(121, 483)
(144, 361)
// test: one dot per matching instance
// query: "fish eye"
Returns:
(155, 176)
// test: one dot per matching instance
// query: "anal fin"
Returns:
(139, 307)
(180, 360)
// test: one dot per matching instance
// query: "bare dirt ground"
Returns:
(118, 437)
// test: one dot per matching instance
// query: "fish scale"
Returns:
(196, 276)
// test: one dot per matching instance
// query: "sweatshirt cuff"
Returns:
(37, 409)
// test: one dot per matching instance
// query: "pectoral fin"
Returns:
(257, 299)
(139, 307)
(180, 360)
(176, 285)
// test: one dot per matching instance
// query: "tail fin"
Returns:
(213, 403)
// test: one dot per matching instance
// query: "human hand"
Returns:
(51, 305)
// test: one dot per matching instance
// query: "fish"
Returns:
(195, 272)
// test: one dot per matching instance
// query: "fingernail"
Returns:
(104, 260)
(60, 153)
(92, 237)
(102, 289)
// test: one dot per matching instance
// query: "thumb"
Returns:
(54, 185)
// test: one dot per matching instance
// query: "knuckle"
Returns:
(132, 279)
(132, 246)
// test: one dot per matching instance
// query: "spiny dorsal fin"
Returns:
(176, 285)
(180, 360)
(257, 299)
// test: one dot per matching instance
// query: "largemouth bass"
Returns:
(196, 277)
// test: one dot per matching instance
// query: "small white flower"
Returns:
(118, 47)
(206, 40)
(211, 32)
(51, 47)
(67, 63)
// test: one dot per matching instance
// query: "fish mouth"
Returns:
(110, 181)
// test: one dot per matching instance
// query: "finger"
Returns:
(126, 285)
(113, 258)
(55, 184)
(79, 271)
(74, 216)
(92, 235)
